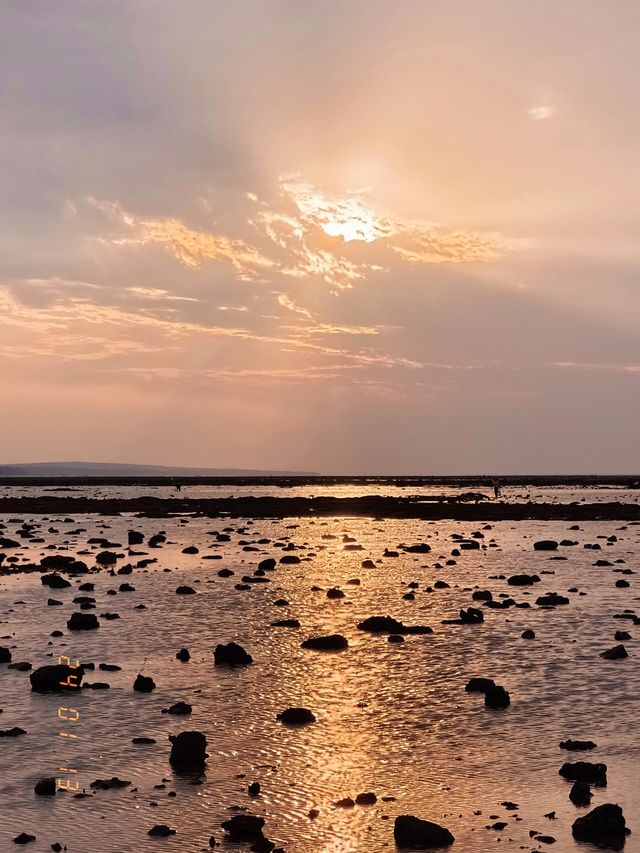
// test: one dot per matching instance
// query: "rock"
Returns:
(56, 678)
(334, 592)
(577, 745)
(161, 830)
(5, 654)
(188, 750)
(231, 654)
(616, 653)
(24, 837)
(528, 634)
(421, 548)
(106, 558)
(523, 580)
(480, 685)
(584, 771)
(191, 549)
(254, 789)
(296, 717)
(183, 655)
(580, 794)
(45, 787)
(497, 698)
(551, 599)
(54, 581)
(621, 635)
(144, 684)
(289, 559)
(411, 833)
(366, 799)
(185, 590)
(285, 623)
(244, 827)
(16, 731)
(143, 741)
(178, 709)
(267, 565)
(471, 616)
(134, 537)
(109, 784)
(381, 625)
(82, 622)
(545, 545)
(605, 826)
(330, 643)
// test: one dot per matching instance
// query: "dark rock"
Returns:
(285, 623)
(183, 655)
(480, 685)
(497, 697)
(551, 599)
(545, 545)
(528, 634)
(5, 654)
(109, 784)
(381, 625)
(144, 684)
(411, 833)
(231, 654)
(605, 826)
(188, 750)
(523, 580)
(24, 837)
(82, 622)
(56, 678)
(616, 653)
(185, 590)
(161, 830)
(191, 549)
(577, 745)
(471, 616)
(179, 709)
(46, 787)
(106, 558)
(140, 741)
(366, 799)
(580, 794)
(54, 581)
(584, 771)
(244, 827)
(296, 717)
(330, 643)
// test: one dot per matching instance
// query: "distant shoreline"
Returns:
(372, 506)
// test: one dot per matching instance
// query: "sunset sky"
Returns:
(348, 236)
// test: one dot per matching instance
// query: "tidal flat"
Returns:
(392, 717)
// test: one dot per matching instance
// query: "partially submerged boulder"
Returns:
(412, 833)
(605, 826)
(188, 750)
(56, 678)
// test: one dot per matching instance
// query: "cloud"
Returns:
(541, 112)
(188, 246)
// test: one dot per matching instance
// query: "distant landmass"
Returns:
(115, 469)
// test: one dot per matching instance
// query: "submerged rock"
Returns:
(144, 684)
(616, 653)
(82, 622)
(580, 794)
(244, 827)
(412, 833)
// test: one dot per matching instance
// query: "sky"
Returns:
(375, 236)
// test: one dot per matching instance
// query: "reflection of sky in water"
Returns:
(394, 720)
(513, 494)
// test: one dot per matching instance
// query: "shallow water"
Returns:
(393, 719)
(510, 494)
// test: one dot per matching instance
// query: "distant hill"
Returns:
(115, 469)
